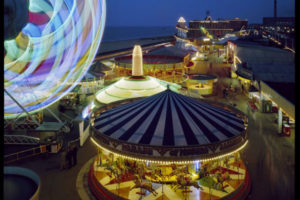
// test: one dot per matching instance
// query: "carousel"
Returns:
(169, 146)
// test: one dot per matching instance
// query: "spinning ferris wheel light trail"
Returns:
(52, 52)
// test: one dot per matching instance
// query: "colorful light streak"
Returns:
(54, 49)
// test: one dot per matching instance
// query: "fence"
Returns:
(25, 154)
(20, 139)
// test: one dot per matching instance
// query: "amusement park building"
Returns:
(216, 28)
(261, 67)
(135, 83)
(159, 62)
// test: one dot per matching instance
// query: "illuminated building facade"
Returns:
(208, 28)
(160, 63)
(217, 28)
(154, 65)
(260, 67)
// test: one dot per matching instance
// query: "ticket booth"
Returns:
(50, 135)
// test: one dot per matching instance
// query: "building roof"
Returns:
(181, 20)
(169, 119)
(88, 75)
(267, 63)
(50, 126)
(274, 66)
(128, 87)
(152, 59)
(98, 66)
(170, 51)
(201, 77)
(286, 90)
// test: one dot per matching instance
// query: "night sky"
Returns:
(167, 12)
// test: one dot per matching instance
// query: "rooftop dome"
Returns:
(130, 87)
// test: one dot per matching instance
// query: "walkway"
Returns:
(269, 158)
(59, 184)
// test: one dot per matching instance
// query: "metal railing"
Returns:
(24, 154)
(21, 139)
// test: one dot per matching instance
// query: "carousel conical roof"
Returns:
(169, 119)
(130, 87)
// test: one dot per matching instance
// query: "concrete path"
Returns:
(269, 158)
(59, 184)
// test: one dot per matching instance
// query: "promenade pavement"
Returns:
(59, 184)
(270, 158)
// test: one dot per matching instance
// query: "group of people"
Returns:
(69, 157)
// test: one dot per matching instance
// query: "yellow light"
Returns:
(286, 47)
(169, 162)
(238, 59)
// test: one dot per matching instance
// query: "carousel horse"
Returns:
(145, 186)
(156, 175)
(221, 178)
(183, 181)
(131, 166)
(141, 169)
(113, 172)
(121, 166)
(178, 170)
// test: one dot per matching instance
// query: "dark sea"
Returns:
(127, 33)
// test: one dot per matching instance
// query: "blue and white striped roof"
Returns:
(169, 119)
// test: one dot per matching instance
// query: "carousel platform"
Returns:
(105, 185)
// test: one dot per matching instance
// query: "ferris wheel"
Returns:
(48, 48)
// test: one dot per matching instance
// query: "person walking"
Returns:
(63, 160)
(74, 154)
(69, 158)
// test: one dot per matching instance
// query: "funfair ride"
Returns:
(169, 146)
(48, 50)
